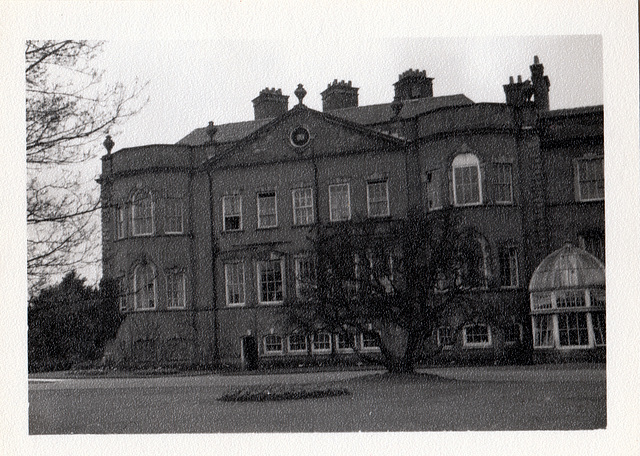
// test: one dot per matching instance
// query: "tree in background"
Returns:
(396, 282)
(70, 323)
(68, 110)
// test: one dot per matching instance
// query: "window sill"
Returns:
(232, 306)
(177, 308)
(232, 231)
(274, 303)
(302, 225)
(144, 310)
(478, 345)
(267, 228)
(280, 353)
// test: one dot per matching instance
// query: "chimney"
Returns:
(413, 84)
(270, 103)
(518, 93)
(540, 86)
(339, 95)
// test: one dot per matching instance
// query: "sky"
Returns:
(194, 82)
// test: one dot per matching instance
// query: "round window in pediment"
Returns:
(300, 136)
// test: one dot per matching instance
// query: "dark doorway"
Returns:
(250, 352)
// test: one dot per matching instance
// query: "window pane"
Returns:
(267, 216)
(302, 206)
(270, 276)
(570, 299)
(369, 340)
(232, 212)
(378, 199)
(339, 204)
(234, 277)
(142, 214)
(297, 342)
(175, 290)
(466, 185)
(509, 267)
(321, 342)
(591, 179)
(476, 334)
(434, 200)
(305, 277)
(572, 329)
(542, 331)
(502, 183)
(445, 336)
(144, 287)
(173, 215)
(273, 344)
(598, 321)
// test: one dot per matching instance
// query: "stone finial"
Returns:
(300, 92)
(108, 144)
(211, 130)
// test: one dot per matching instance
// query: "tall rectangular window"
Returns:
(321, 343)
(502, 183)
(122, 294)
(232, 212)
(508, 267)
(339, 203)
(120, 218)
(598, 322)
(297, 343)
(176, 290)
(305, 277)
(302, 206)
(543, 331)
(346, 342)
(590, 179)
(378, 198)
(272, 344)
(434, 200)
(270, 281)
(466, 180)
(572, 329)
(142, 213)
(234, 283)
(267, 210)
(173, 216)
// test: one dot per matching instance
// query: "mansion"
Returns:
(209, 236)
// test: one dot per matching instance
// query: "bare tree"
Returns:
(68, 109)
(395, 282)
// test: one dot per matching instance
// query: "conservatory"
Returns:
(567, 292)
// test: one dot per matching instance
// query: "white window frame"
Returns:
(173, 211)
(461, 162)
(513, 342)
(266, 344)
(141, 294)
(298, 350)
(226, 207)
(580, 182)
(326, 337)
(300, 285)
(346, 349)
(302, 201)
(543, 337)
(146, 205)
(260, 198)
(371, 200)
(503, 170)
(468, 344)
(176, 301)
(578, 329)
(368, 347)
(441, 337)
(510, 254)
(333, 210)
(120, 217)
(259, 266)
(229, 283)
(603, 328)
(434, 190)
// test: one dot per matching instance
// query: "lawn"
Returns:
(471, 399)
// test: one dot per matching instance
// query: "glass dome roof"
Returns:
(568, 267)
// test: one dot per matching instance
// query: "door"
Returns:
(250, 352)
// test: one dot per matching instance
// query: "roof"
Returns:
(568, 267)
(374, 114)
(362, 115)
(598, 109)
(226, 132)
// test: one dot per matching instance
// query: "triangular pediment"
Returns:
(302, 132)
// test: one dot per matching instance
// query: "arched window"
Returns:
(144, 285)
(467, 184)
(142, 213)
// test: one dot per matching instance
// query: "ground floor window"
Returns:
(445, 336)
(598, 321)
(477, 336)
(176, 290)
(513, 334)
(272, 344)
(345, 342)
(572, 329)
(321, 342)
(297, 343)
(542, 331)
(370, 341)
